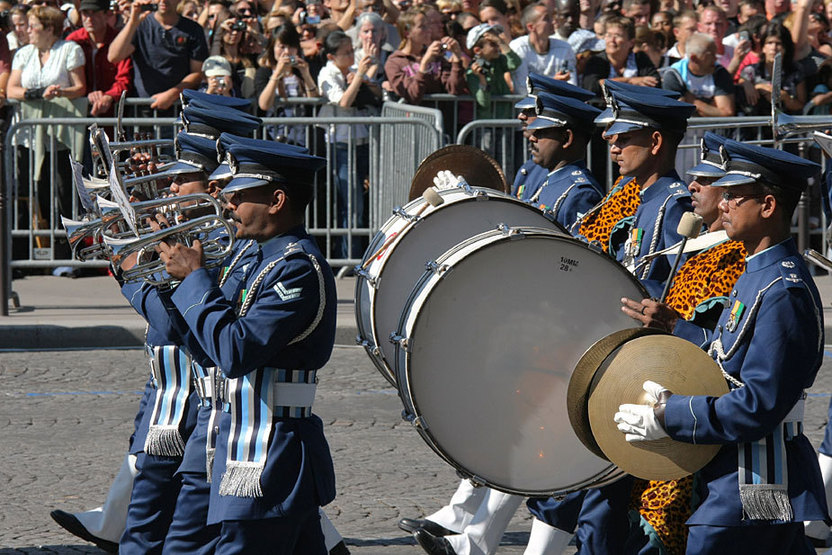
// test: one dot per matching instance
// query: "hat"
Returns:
(214, 66)
(209, 101)
(258, 163)
(749, 163)
(582, 40)
(193, 154)
(711, 160)
(633, 111)
(562, 111)
(95, 5)
(609, 85)
(537, 83)
(477, 32)
(223, 170)
(211, 122)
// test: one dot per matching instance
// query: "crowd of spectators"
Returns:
(76, 58)
(717, 53)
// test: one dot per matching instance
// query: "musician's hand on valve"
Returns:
(644, 422)
(651, 313)
(180, 260)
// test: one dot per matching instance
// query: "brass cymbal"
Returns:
(477, 167)
(577, 394)
(676, 364)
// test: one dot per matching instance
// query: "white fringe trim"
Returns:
(242, 479)
(209, 461)
(164, 441)
(766, 502)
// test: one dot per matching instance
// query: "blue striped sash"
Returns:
(205, 382)
(251, 404)
(171, 367)
(763, 471)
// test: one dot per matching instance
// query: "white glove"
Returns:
(639, 422)
(445, 179)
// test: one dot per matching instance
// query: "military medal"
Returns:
(632, 246)
(735, 317)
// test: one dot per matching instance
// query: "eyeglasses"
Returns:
(738, 199)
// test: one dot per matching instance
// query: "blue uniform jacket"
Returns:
(567, 193)
(528, 180)
(654, 229)
(774, 345)
(298, 473)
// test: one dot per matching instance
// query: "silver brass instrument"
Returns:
(785, 125)
(149, 266)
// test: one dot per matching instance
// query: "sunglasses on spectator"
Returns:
(244, 11)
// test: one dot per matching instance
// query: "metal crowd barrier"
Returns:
(394, 146)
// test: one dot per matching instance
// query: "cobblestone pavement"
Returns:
(66, 416)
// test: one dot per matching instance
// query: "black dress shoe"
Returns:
(410, 525)
(339, 548)
(72, 525)
(434, 545)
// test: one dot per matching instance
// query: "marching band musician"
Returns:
(559, 136)
(476, 517)
(272, 468)
(531, 176)
(166, 479)
(700, 287)
(647, 202)
(765, 480)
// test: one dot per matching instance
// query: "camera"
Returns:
(293, 61)
(238, 25)
(743, 35)
(149, 7)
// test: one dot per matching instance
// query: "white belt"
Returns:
(205, 388)
(294, 394)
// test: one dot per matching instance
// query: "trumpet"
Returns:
(175, 209)
(149, 266)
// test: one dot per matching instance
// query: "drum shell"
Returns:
(481, 429)
(384, 283)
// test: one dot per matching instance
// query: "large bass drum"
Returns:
(415, 235)
(486, 346)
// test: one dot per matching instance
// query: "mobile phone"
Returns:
(743, 35)
(149, 7)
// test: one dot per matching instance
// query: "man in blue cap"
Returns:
(531, 176)
(712, 265)
(169, 501)
(272, 469)
(558, 136)
(640, 215)
(765, 480)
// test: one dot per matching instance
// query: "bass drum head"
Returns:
(397, 269)
(475, 165)
(491, 343)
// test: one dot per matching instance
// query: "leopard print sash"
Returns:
(621, 202)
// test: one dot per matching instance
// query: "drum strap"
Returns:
(171, 368)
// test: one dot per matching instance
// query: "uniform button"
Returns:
(734, 293)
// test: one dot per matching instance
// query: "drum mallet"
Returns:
(432, 198)
(690, 224)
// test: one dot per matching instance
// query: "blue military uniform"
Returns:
(569, 190)
(530, 177)
(765, 480)
(269, 335)
(601, 513)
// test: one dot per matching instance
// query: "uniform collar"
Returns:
(570, 167)
(277, 244)
(771, 255)
(660, 187)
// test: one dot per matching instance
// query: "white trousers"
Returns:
(459, 512)
(547, 540)
(482, 535)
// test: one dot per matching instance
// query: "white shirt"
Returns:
(333, 84)
(64, 56)
(559, 57)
